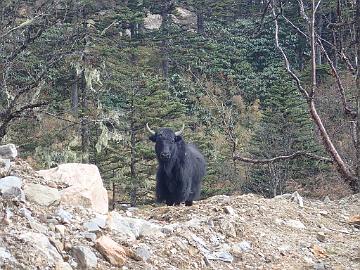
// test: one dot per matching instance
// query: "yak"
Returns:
(181, 167)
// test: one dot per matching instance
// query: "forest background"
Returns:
(269, 91)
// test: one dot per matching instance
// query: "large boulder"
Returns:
(152, 21)
(84, 185)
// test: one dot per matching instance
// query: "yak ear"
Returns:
(178, 138)
(152, 138)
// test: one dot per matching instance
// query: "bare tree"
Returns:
(21, 27)
(309, 92)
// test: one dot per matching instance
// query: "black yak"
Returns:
(181, 167)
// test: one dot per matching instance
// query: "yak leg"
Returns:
(188, 203)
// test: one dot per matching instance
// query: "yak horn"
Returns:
(178, 133)
(149, 129)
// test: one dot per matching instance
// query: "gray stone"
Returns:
(42, 195)
(38, 227)
(283, 249)
(42, 246)
(295, 197)
(229, 210)
(5, 165)
(85, 258)
(320, 236)
(221, 255)
(14, 194)
(7, 216)
(319, 266)
(9, 182)
(224, 256)
(10, 188)
(64, 216)
(60, 229)
(91, 226)
(26, 213)
(295, 224)
(89, 236)
(143, 252)
(62, 266)
(100, 220)
(327, 200)
(132, 228)
(4, 254)
(8, 151)
(243, 246)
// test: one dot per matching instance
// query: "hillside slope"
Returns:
(222, 232)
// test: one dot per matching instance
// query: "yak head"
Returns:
(165, 142)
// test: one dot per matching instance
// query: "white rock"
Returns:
(229, 210)
(143, 252)
(60, 265)
(295, 224)
(9, 182)
(297, 198)
(184, 17)
(60, 229)
(42, 195)
(26, 213)
(42, 246)
(10, 188)
(152, 21)
(38, 227)
(5, 256)
(5, 165)
(85, 258)
(64, 216)
(327, 200)
(132, 228)
(8, 151)
(243, 246)
(85, 185)
(91, 226)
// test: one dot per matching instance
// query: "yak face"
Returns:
(165, 143)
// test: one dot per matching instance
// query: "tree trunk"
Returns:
(342, 168)
(84, 122)
(134, 182)
(200, 21)
(357, 46)
(75, 96)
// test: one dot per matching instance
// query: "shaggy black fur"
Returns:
(181, 168)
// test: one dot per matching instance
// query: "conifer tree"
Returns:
(285, 128)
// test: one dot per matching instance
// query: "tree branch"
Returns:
(287, 63)
(298, 154)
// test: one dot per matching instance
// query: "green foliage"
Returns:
(226, 83)
(284, 129)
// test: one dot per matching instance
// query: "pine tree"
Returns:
(284, 129)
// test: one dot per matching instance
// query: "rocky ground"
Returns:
(223, 232)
